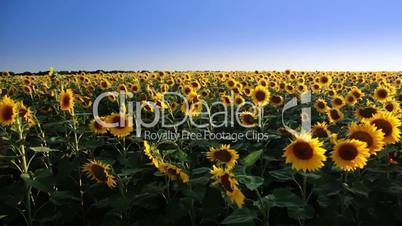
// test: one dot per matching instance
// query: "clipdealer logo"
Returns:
(230, 114)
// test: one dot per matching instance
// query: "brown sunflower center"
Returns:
(382, 93)
(66, 100)
(356, 94)
(99, 172)
(383, 125)
(248, 119)
(303, 150)
(223, 155)
(7, 113)
(320, 132)
(97, 125)
(321, 105)
(362, 136)
(348, 152)
(260, 95)
(389, 107)
(324, 80)
(187, 90)
(226, 183)
(338, 101)
(351, 99)
(334, 114)
(173, 172)
(276, 99)
(367, 112)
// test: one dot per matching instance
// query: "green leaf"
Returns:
(284, 174)
(200, 170)
(129, 172)
(285, 198)
(238, 216)
(42, 180)
(251, 158)
(301, 212)
(251, 182)
(63, 197)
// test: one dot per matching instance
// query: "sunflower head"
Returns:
(382, 93)
(173, 172)
(97, 128)
(305, 153)
(335, 115)
(248, 119)
(67, 100)
(226, 179)
(99, 172)
(276, 100)
(320, 130)
(369, 134)
(389, 124)
(123, 125)
(260, 95)
(321, 105)
(223, 156)
(349, 155)
(8, 111)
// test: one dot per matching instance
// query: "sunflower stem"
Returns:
(25, 169)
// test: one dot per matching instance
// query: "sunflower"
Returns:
(320, 130)
(194, 106)
(335, 115)
(321, 105)
(231, 83)
(223, 156)
(392, 106)
(305, 153)
(351, 99)
(356, 92)
(8, 111)
(325, 80)
(366, 112)
(173, 172)
(122, 88)
(99, 172)
(260, 95)
(97, 128)
(338, 101)
(248, 119)
(186, 90)
(276, 100)
(389, 124)
(27, 90)
(382, 93)
(147, 106)
(120, 130)
(349, 155)
(316, 87)
(67, 100)
(369, 134)
(226, 100)
(229, 184)
(104, 84)
(26, 114)
(238, 100)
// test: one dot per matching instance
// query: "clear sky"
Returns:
(200, 35)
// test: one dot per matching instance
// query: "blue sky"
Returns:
(200, 35)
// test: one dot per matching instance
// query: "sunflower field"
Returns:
(60, 164)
